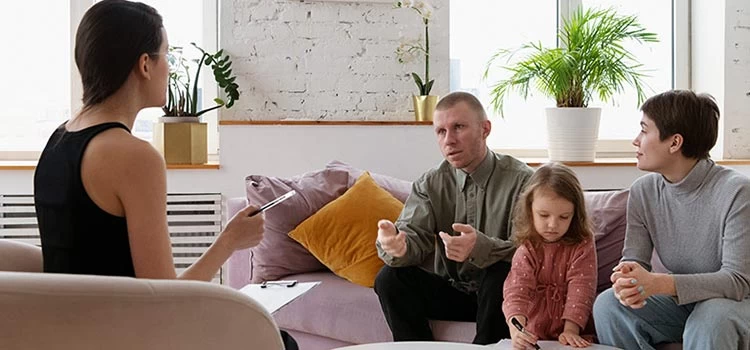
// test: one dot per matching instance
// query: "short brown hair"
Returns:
(694, 116)
(456, 97)
(561, 180)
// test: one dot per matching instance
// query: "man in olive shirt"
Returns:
(461, 211)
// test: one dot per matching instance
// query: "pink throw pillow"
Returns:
(397, 187)
(607, 211)
(278, 255)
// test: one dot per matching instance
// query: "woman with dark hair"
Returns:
(99, 191)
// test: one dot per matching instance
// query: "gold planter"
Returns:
(182, 142)
(424, 107)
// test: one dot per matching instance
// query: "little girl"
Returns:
(551, 286)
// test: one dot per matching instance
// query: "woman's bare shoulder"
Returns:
(124, 153)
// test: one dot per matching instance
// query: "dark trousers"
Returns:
(411, 296)
(289, 342)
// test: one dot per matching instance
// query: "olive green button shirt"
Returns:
(445, 195)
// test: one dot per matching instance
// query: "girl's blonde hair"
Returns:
(559, 179)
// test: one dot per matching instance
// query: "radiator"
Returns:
(194, 222)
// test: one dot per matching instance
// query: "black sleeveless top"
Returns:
(77, 236)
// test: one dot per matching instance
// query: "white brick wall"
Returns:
(327, 60)
(737, 84)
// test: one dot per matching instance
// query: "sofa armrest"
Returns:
(62, 311)
(19, 256)
(239, 270)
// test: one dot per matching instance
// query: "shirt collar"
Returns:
(480, 175)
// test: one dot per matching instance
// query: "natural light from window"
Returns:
(479, 28)
(36, 66)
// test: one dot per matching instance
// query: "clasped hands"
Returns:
(632, 284)
(457, 248)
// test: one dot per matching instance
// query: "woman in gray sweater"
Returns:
(696, 215)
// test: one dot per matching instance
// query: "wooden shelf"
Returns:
(31, 165)
(318, 122)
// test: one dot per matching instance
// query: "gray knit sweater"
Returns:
(700, 228)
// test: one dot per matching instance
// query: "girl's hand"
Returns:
(522, 340)
(573, 339)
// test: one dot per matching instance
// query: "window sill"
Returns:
(31, 165)
(323, 123)
(618, 162)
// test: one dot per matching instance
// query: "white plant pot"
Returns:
(572, 133)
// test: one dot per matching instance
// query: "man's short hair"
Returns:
(694, 116)
(456, 97)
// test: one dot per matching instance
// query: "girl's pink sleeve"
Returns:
(581, 280)
(520, 285)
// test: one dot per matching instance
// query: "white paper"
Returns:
(549, 345)
(274, 297)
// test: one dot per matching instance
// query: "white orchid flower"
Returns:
(427, 12)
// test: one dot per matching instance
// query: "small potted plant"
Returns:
(179, 134)
(590, 61)
(409, 50)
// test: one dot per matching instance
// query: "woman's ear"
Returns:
(142, 69)
(676, 145)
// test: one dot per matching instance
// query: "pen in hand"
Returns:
(519, 326)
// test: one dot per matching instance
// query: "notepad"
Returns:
(274, 297)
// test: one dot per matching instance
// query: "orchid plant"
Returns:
(409, 50)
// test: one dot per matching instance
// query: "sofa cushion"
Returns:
(342, 234)
(278, 255)
(606, 209)
(397, 187)
(346, 312)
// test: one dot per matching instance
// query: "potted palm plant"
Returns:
(591, 61)
(179, 134)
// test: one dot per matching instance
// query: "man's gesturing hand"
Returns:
(392, 241)
(458, 248)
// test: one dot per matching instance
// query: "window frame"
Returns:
(210, 43)
(618, 148)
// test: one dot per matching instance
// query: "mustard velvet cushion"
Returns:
(342, 234)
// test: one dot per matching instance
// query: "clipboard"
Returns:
(274, 296)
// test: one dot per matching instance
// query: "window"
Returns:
(188, 21)
(498, 26)
(35, 67)
(41, 85)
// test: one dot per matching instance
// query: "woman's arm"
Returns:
(140, 175)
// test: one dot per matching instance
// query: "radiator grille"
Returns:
(194, 222)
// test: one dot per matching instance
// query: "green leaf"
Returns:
(428, 87)
(591, 61)
(417, 80)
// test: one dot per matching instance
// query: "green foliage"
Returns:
(182, 97)
(590, 60)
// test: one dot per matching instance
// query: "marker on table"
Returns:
(519, 326)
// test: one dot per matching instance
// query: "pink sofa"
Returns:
(339, 313)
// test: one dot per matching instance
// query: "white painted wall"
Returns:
(401, 151)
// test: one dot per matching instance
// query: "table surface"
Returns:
(414, 346)
(502, 345)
